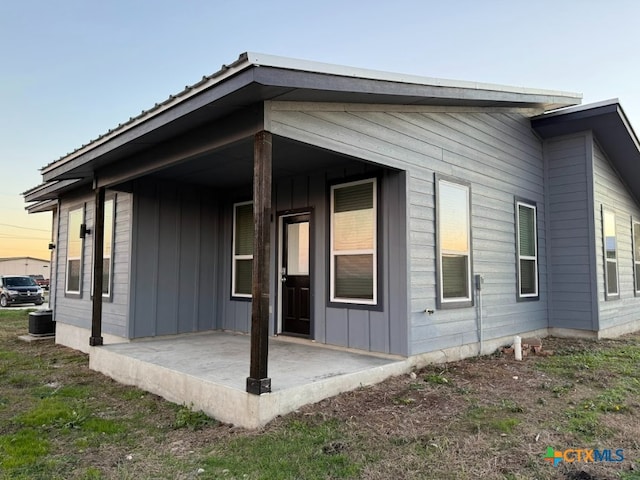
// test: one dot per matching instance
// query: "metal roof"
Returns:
(257, 77)
(611, 129)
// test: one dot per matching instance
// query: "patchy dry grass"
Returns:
(482, 418)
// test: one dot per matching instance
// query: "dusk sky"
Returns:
(72, 69)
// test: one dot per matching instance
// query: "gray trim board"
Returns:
(591, 210)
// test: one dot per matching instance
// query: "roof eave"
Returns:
(50, 190)
(44, 206)
(610, 127)
(286, 75)
(204, 84)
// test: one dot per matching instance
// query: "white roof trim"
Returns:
(579, 108)
(260, 59)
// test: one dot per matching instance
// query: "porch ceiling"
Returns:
(232, 167)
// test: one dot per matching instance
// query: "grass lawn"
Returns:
(481, 418)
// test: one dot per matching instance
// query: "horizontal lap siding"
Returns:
(570, 242)
(78, 311)
(69, 310)
(496, 152)
(114, 313)
(611, 193)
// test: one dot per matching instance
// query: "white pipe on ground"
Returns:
(517, 347)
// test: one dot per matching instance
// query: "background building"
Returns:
(24, 266)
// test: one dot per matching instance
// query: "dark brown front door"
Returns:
(294, 275)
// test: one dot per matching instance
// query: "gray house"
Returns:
(406, 218)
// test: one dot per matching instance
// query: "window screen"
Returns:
(610, 253)
(74, 251)
(527, 250)
(454, 242)
(353, 242)
(242, 249)
(108, 244)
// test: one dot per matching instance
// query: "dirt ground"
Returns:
(489, 417)
(481, 418)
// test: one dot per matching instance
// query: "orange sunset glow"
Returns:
(22, 234)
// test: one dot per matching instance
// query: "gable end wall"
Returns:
(613, 194)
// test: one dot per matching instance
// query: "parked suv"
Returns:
(16, 289)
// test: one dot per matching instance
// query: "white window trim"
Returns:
(442, 251)
(105, 257)
(608, 295)
(235, 257)
(636, 260)
(370, 251)
(67, 270)
(112, 240)
(527, 257)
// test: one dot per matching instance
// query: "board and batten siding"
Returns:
(174, 259)
(612, 194)
(77, 311)
(572, 289)
(495, 151)
(380, 330)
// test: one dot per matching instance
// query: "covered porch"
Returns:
(207, 372)
(177, 178)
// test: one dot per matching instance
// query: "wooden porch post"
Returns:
(258, 382)
(98, 252)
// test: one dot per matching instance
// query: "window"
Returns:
(353, 243)
(74, 251)
(527, 250)
(610, 254)
(108, 244)
(636, 256)
(454, 243)
(242, 249)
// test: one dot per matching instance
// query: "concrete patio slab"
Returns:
(208, 372)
